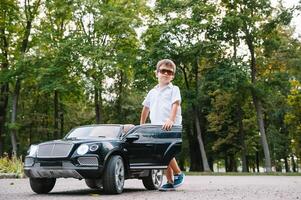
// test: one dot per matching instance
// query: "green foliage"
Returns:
(13, 126)
(293, 117)
(11, 165)
(89, 53)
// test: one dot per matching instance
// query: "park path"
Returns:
(195, 187)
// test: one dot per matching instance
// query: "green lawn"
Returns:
(242, 174)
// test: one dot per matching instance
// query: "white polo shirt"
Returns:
(160, 100)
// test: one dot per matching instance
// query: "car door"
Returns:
(141, 151)
(167, 144)
(154, 146)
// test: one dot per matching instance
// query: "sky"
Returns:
(296, 21)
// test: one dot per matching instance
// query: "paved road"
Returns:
(195, 187)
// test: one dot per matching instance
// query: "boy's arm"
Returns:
(171, 120)
(144, 114)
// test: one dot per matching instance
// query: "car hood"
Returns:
(82, 141)
(63, 148)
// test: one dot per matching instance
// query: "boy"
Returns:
(163, 105)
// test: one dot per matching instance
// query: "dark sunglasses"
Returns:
(166, 71)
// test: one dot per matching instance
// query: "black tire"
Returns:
(42, 185)
(154, 180)
(92, 183)
(113, 177)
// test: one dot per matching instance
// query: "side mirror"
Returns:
(132, 138)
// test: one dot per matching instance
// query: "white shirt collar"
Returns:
(169, 85)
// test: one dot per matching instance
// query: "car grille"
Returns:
(54, 150)
(91, 161)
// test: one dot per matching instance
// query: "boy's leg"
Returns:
(174, 166)
(178, 175)
(169, 174)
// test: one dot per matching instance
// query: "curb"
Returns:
(11, 176)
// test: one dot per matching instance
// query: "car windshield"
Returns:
(94, 131)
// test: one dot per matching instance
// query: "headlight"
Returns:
(82, 149)
(93, 147)
(33, 150)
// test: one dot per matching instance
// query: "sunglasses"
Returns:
(166, 71)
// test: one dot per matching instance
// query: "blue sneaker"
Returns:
(178, 180)
(167, 187)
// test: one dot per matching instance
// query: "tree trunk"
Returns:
(120, 116)
(242, 140)
(232, 162)
(257, 102)
(30, 134)
(264, 142)
(226, 162)
(257, 160)
(253, 168)
(287, 169)
(3, 109)
(197, 120)
(56, 115)
(194, 151)
(97, 105)
(211, 162)
(202, 148)
(61, 124)
(294, 166)
(14, 118)
(194, 147)
(4, 87)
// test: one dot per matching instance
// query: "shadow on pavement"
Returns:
(92, 192)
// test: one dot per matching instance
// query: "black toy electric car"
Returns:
(104, 155)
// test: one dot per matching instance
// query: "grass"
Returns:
(15, 166)
(12, 165)
(242, 174)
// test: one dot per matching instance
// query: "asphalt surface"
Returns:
(195, 187)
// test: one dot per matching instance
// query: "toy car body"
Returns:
(104, 155)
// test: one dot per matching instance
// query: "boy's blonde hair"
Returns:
(166, 62)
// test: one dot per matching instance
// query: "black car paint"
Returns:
(138, 152)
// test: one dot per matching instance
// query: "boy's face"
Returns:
(165, 74)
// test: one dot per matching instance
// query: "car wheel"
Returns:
(94, 183)
(42, 185)
(113, 177)
(154, 180)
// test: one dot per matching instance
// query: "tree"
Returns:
(8, 26)
(255, 22)
(226, 85)
(184, 32)
(107, 33)
(16, 47)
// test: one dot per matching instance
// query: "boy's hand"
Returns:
(168, 124)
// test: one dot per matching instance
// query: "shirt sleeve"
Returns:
(146, 101)
(176, 95)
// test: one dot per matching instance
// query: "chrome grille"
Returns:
(54, 150)
(91, 161)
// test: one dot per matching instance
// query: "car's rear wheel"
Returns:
(94, 183)
(154, 180)
(42, 185)
(113, 177)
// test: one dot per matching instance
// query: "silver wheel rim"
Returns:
(119, 174)
(157, 177)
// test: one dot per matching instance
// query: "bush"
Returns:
(12, 165)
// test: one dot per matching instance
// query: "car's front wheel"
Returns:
(154, 180)
(113, 177)
(42, 185)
